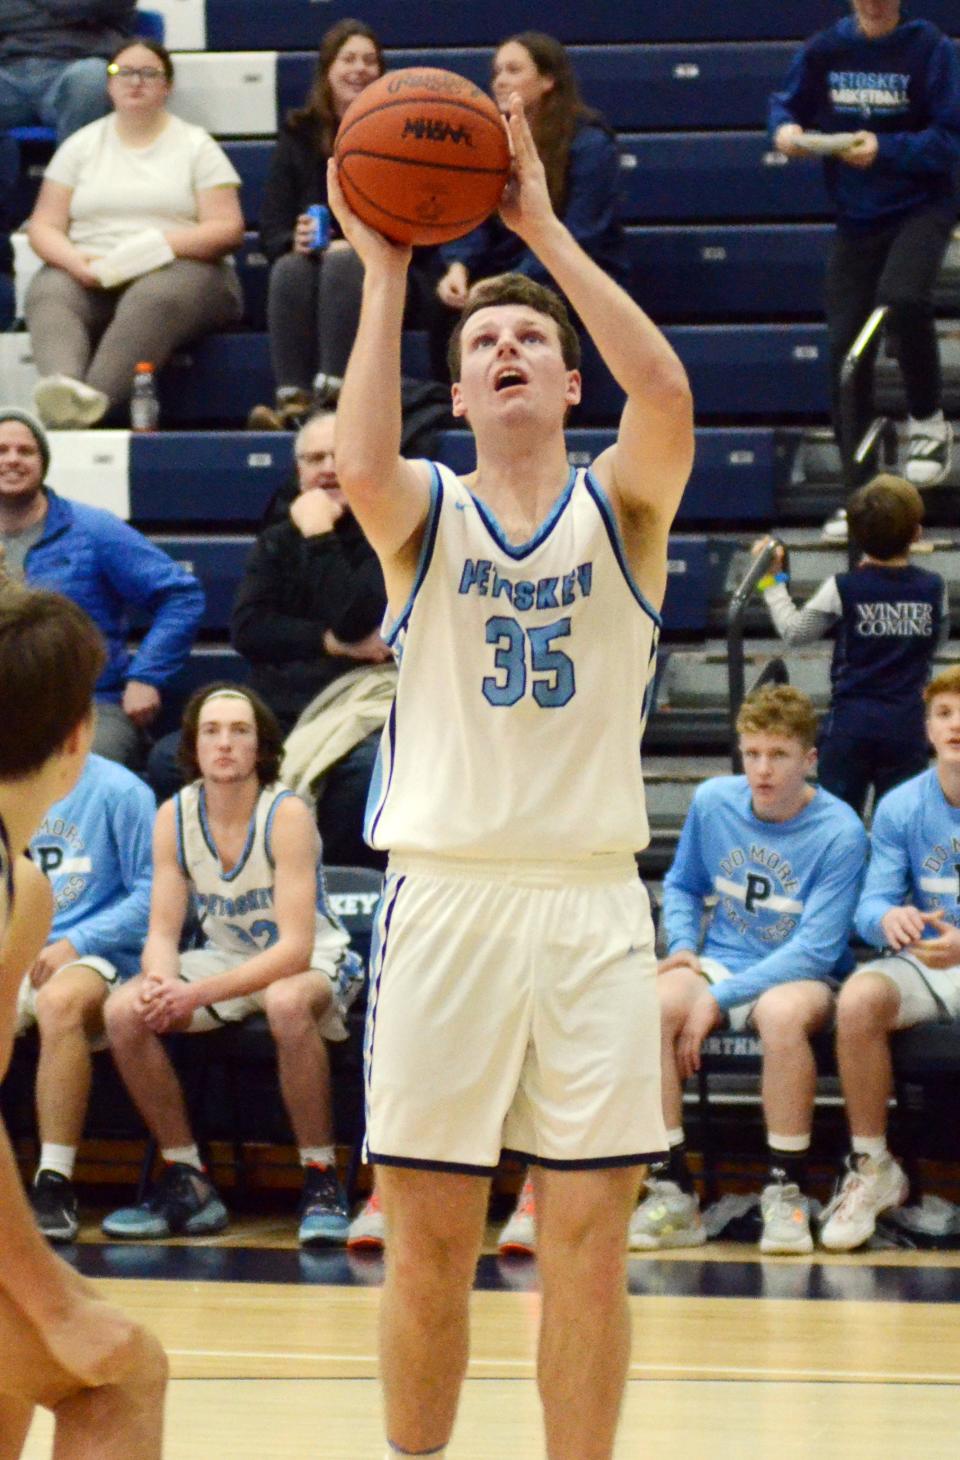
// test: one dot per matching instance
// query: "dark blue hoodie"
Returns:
(905, 87)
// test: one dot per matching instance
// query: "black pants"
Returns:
(848, 765)
(896, 266)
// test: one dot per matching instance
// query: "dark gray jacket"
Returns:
(63, 29)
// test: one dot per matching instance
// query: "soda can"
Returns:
(320, 214)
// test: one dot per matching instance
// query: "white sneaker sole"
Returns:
(640, 1242)
(65, 404)
(773, 1247)
(850, 1242)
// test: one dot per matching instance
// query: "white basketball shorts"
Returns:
(513, 1008)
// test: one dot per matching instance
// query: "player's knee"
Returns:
(121, 1016)
(288, 1008)
(787, 1017)
(867, 1006)
(62, 1007)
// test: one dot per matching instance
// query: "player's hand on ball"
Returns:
(372, 248)
(525, 207)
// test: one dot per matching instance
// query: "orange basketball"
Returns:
(422, 155)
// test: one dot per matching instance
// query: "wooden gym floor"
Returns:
(273, 1352)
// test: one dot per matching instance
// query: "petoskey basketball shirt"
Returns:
(235, 908)
(524, 684)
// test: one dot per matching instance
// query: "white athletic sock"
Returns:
(873, 1146)
(790, 1145)
(318, 1156)
(57, 1158)
(183, 1156)
(675, 1137)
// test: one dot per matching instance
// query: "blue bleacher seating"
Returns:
(218, 562)
(298, 24)
(204, 476)
(734, 271)
(687, 598)
(701, 176)
(641, 88)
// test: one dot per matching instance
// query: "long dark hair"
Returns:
(269, 734)
(317, 117)
(560, 111)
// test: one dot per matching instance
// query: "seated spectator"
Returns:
(109, 569)
(53, 61)
(579, 152)
(135, 218)
(889, 84)
(313, 303)
(246, 851)
(909, 908)
(308, 612)
(784, 863)
(94, 846)
(891, 617)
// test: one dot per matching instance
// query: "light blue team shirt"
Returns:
(95, 846)
(786, 890)
(915, 857)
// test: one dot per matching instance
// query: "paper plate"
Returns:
(825, 144)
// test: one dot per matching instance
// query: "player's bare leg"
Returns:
(15, 1417)
(436, 1223)
(584, 1351)
(785, 1018)
(866, 1016)
(69, 1012)
(146, 1069)
(677, 991)
(295, 1006)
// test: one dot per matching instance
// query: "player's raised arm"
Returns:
(389, 496)
(647, 470)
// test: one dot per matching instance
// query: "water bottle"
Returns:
(144, 401)
(319, 214)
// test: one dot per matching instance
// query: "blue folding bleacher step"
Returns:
(226, 477)
(701, 176)
(298, 24)
(218, 562)
(739, 271)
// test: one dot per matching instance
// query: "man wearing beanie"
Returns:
(110, 570)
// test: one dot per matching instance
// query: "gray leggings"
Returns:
(313, 307)
(98, 335)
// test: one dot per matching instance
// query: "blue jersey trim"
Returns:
(426, 554)
(212, 846)
(543, 531)
(378, 953)
(373, 819)
(6, 862)
(592, 1163)
(268, 828)
(608, 516)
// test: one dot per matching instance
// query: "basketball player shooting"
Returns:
(61, 1346)
(515, 1005)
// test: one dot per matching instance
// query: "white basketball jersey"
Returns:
(235, 908)
(524, 683)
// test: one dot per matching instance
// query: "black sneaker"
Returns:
(54, 1203)
(324, 1214)
(184, 1202)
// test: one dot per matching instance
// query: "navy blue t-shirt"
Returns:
(886, 639)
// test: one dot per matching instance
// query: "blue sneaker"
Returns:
(324, 1214)
(184, 1202)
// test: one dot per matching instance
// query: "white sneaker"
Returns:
(66, 404)
(786, 1218)
(868, 1188)
(929, 453)
(835, 527)
(519, 1235)
(367, 1230)
(667, 1217)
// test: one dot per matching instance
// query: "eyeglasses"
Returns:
(135, 73)
(314, 458)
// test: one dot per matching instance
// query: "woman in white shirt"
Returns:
(134, 222)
